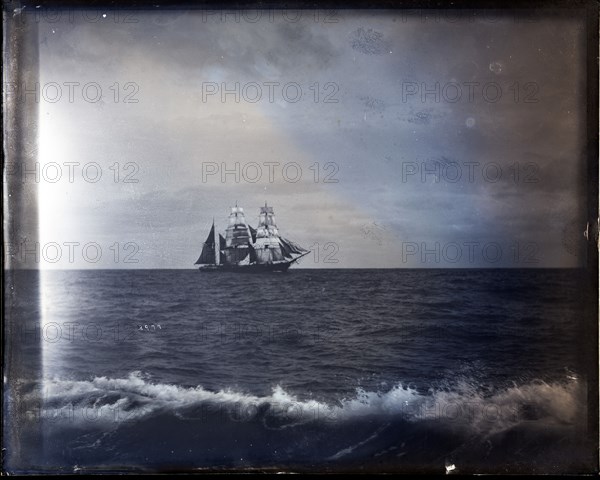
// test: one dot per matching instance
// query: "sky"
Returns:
(381, 139)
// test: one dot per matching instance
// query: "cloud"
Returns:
(359, 111)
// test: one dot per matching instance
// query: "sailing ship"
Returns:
(245, 249)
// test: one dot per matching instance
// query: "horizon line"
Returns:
(300, 269)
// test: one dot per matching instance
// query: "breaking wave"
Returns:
(117, 400)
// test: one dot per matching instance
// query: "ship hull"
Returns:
(254, 268)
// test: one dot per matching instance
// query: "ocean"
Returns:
(314, 370)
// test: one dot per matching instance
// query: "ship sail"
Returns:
(270, 247)
(276, 254)
(243, 248)
(252, 254)
(267, 245)
(237, 237)
(287, 252)
(233, 256)
(252, 234)
(208, 256)
(237, 234)
(292, 247)
(222, 247)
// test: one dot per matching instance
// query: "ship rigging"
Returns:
(245, 249)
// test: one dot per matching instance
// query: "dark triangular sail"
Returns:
(222, 247)
(207, 257)
(292, 247)
(285, 249)
(252, 233)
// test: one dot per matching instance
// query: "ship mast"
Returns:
(216, 240)
(243, 246)
(237, 237)
(268, 247)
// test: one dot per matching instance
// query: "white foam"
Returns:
(135, 397)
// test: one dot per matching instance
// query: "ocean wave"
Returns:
(462, 405)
